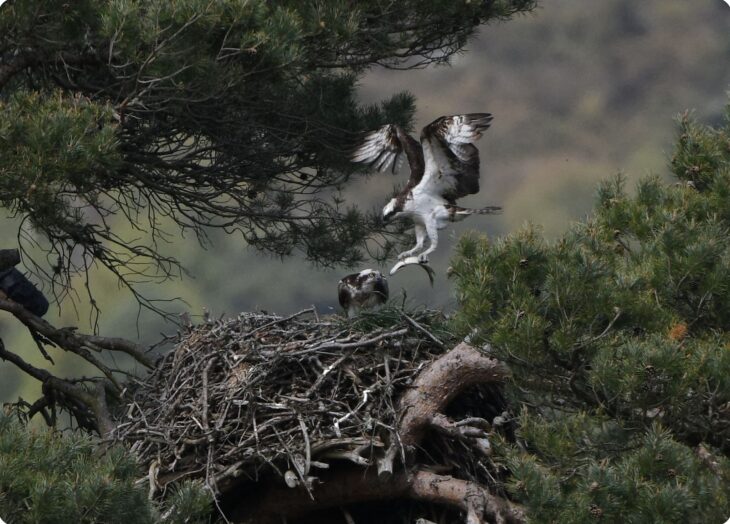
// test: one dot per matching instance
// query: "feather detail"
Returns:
(366, 289)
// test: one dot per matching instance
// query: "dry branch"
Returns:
(473, 430)
(69, 340)
(88, 407)
(85, 399)
(355, 486)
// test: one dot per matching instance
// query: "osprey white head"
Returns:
(390, 210)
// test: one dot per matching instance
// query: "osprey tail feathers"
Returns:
(489, 210)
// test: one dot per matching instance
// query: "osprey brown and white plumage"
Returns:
(444, 167)
(363, 290)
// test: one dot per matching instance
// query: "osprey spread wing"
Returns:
(444, 167)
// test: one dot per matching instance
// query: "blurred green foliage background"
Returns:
(579, 91)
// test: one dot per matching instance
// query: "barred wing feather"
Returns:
(380, 149)
(452, 160)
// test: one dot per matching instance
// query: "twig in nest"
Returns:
(423, 330)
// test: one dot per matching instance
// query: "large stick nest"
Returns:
(262, 394)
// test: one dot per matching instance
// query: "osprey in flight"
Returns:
(444, 168)
(366, 289)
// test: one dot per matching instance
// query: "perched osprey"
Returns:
(366, 289)
(444, 168)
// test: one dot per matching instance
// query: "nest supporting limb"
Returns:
(354, 486)
(438, 384)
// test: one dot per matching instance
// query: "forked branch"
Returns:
(86, 402)
(438, 384)
(69, 340)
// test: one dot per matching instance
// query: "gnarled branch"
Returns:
(68, 339)
(87, 404)
(439, 384)
(93, 401)
(356, 485)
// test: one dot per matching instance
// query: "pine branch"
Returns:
(55, 388)
(52, 385)
(69, 340)
(358, 486)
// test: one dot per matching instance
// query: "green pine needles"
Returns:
(618, 337)
(55, 478)
(124, 117)
(50, 478)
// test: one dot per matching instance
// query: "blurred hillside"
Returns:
(579, 91)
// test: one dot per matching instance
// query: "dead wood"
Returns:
(356, 485)
(85, 399)
(438, 384)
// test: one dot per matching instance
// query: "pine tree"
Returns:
(232, 114)
(618, 338)
(208, 114)
(49, 477)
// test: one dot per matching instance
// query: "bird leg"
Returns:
(420, 237)
(432, 232)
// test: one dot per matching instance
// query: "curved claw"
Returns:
(409, 261)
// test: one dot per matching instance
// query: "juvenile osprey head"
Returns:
(366, 289)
